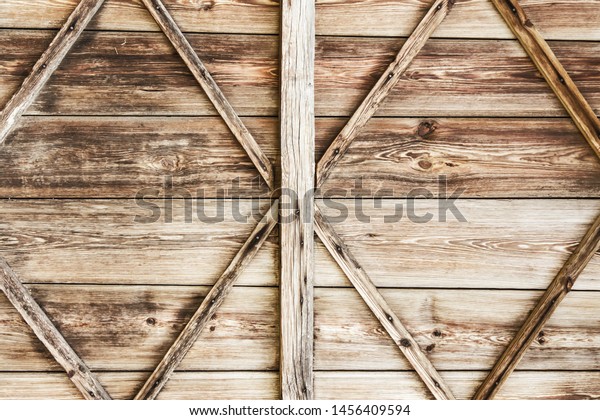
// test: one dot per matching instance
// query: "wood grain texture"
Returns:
(329, 385)
(297, 117)
(188, 54)
(128, 73)
(519, 244)
(382, 88)
(474, 19)
(482, 157)
(552, 70)
(124, 328)
(35, 317)
(541, 313)
(381, 309)
(46, 65)
(99, 241)
(209, 306)
(53, 157)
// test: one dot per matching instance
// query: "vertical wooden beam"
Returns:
(556, 292)
(557, 77)
(297, 181)
(47, 64)
(415, 42)
(215, 95)
(44, 329)
(209, 306)
(380, 308)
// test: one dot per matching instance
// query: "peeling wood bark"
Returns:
(436, 14)
(557, 77)
(209, 306)
(47, 64)
(212, 90)
(556, 292)
(44, 329)
(380, 308)
(297, 181)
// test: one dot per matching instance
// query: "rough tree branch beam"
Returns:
(380, 308)
(44, 329)
(209, 306)
(415, 42)
(215, 95)
(47, 64)
(297, 182)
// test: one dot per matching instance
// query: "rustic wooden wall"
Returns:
(123, 112)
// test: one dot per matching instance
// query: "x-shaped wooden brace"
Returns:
(586, 121)
(20, 297)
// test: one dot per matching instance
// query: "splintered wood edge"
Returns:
(209, 306)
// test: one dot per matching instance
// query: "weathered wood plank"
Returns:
(382, 88)
(43, 328)
(552, 70)
(504, 244)
(115, 157)
(46, 65)
(474, 19)
(381, 309)
(541, 313)
(213, 91)
(459, 329)
(328, 385)
(99, 241)
(131, 328)
(209, 306)
(108, 73)
(297, 118)
(118, 157)
(137, 74)
(483, 157)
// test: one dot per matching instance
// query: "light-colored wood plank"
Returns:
(381, 309)
(519, 244)
(209, 306)
(43, 328)
(46, 65)
(541, 313)
(329, 385)
(297, 118)
(382, 88)
(483, 157)
(561, 19)
(128, 73)
(213, 91)
(458, 329)
(100, 241)
(550, 67)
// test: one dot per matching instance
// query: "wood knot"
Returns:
(207, 5)
(430, 347)
(425, 164)
(437, 384)
(71, 373)
(151, 321)
(569, 284)
(437, 333)
(426, 128)
(212, 328)
(404, 342)
(529, 23)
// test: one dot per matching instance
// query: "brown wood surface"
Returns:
(209, 306)
(381, 309)
(43, 328)
(329, 385)
(297, 130)
(469, 77)
(131, 328)
(474, 19)
(46, 65)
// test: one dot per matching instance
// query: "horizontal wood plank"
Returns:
(128, 73)
(328, 385)
(99, 241)
(131, 327)
(562, 19)
(517, 244)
